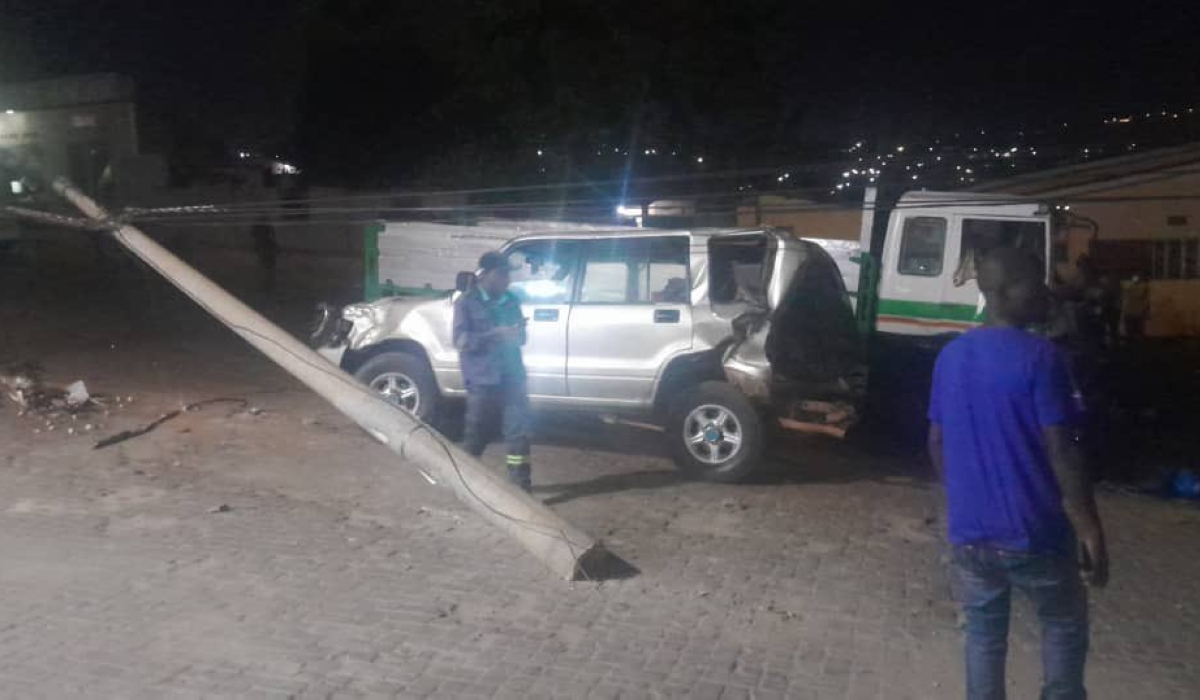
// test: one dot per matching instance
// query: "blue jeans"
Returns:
(983, 580)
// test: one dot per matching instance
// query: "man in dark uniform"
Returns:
(489, 331)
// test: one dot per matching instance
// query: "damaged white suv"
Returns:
(711, 336)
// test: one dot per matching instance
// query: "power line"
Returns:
(603, 207)
(580, 184)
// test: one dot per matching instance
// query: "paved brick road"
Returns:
(334, 572)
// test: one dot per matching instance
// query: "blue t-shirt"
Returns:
(994, 389)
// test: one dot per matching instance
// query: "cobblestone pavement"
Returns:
(284, 555)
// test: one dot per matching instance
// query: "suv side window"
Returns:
(543, 271)
(922, 246)
(636, 271)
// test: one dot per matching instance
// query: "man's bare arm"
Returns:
(1078, 500)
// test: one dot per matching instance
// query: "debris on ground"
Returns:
(23, 384)
(170, 415)
(223, 508)
(76, 394)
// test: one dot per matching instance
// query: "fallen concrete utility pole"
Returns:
(565, 549)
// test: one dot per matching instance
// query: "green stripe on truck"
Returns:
(928, 309)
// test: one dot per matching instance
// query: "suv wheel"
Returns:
(404, 380)
(715, 433)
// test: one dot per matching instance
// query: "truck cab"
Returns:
(918, 290)
(933, 240)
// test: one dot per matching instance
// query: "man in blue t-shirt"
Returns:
(1020, 507)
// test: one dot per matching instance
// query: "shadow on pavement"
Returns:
(587, 432)
(603, 565)
(802, 459)
(611, 483)
(792, 460)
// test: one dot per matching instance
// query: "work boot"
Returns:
(520, 473)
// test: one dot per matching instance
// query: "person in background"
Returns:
(266, 249)
(1021, 513)
(1135, 308)
(1110, 306)
(489, 330)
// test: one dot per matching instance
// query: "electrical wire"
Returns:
(580, 184)
(603, 211)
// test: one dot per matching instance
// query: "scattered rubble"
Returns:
(23, 385)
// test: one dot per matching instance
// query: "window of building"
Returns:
(1176, 259)
(922, 246)
(636, 271)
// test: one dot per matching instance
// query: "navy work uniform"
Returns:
(494, 374)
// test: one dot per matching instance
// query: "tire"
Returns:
(700, 428)
(405, 380)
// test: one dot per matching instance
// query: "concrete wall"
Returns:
(802, 217)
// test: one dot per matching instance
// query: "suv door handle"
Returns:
(666, 315)
(549, 315)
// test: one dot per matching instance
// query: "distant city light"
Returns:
(899, 149)
(10, 111)
(539, 153)
(699, 159)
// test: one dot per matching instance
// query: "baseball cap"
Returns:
(494, 260)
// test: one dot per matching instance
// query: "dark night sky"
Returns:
(353, 76)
